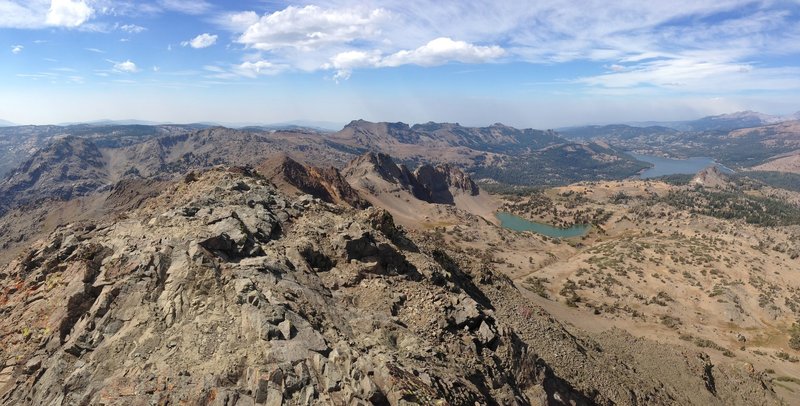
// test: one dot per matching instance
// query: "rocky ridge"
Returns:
(221, 290)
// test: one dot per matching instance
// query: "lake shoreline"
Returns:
(663, 166)
(513, 222)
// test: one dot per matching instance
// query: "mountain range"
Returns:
(729, 121)
(170, 263)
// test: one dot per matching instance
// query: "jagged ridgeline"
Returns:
(223, 290)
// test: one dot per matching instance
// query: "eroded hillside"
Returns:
(221, 290)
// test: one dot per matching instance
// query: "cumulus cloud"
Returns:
(33, 14)
(126, 67)
(309, 27)
(238, 21)
(201, 41)
(436, 52)
(68, 13)
(442, 50)
(16, 49)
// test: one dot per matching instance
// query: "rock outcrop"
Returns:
(441, 182)
(223, 291)
(432, 184)
(712, 177)
(327, 184)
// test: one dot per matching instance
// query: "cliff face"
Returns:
(433, 184)
(327, 184)
(443, 181)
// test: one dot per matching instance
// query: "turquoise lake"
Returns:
(667, 166)
(516, 223)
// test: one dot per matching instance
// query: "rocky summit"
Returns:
(222, 290)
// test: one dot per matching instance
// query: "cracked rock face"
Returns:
(223, 291)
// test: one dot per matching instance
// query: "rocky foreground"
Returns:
(222, 290)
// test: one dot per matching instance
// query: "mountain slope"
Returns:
(327, 184)
(712, 177)
(223, 290)
(427, 195)
(499, 153)
(496, 138)
(377, 173)
(733, 121)
(64, 169)
(615, 132)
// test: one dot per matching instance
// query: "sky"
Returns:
(540, 64)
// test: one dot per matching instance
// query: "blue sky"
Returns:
(535, 64)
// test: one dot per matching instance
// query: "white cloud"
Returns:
(34, 14)
(258, 68)
(126, 67)
(194, 7)
(132, 28)
(22, 14)
(201, 41)
(694, 73)
(310, 27)
(354, 59)
(436, 52)
(16, 49)
(237, 22)
(95, 50)
(442, 50)
(346, 34)
(345, 62)
(68, 13)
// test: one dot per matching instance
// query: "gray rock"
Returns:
(33, 364)
(286, 328)
(274, 397)
(271, 332)
(485, 333)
